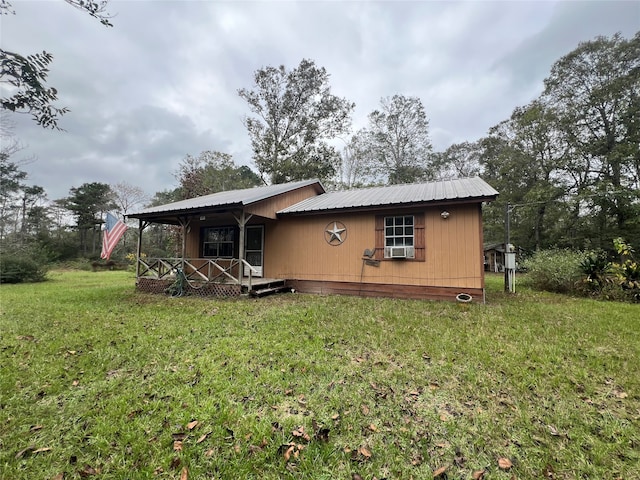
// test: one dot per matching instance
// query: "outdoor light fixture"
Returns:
(445, 215)
(202, 217)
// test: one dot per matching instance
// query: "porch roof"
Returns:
(445, 191)
(224, 201)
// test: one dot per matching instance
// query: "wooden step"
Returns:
(273, 287)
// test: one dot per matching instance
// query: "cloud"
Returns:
(162, 83)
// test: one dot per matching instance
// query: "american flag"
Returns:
(113, 230)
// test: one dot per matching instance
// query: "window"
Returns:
(400, 236)
(218, 242)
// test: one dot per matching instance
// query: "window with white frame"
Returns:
(218, 242)
(399, 237)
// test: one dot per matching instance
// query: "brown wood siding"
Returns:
(481, 243)
(295, 248)
(268, 208)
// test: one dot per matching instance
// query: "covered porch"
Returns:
(222, 240)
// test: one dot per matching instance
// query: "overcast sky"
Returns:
(162, 82)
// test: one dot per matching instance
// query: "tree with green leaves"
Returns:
(212, 172)
(399, 136)
(11, 184)
(25, 76)
(524, 159)
(294, 116)
(355, 169)
(88, 203)
(595, 91)
(460, 160)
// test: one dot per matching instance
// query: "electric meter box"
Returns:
(510, 260)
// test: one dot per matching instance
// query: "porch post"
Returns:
(141, 226)
(184, 223)
(241, 223)
(242, 220)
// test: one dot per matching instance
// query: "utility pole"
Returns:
(509, 252)
(507, 241)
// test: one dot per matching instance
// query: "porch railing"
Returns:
(204, 270)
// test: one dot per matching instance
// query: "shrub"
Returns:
(628, 270)
(21, 268)
(555, 270)
(597, 269)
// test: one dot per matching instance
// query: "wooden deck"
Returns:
(208, 276)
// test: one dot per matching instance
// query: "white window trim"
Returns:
(399, 251)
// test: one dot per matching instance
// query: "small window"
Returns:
(218, 242)
(399, 237)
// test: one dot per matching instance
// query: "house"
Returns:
(408, 241)
(494, 256)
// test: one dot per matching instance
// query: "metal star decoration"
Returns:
(335, 233)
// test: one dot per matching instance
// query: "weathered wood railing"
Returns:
(219, 270)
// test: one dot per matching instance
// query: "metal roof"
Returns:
(228, 198)
(472, 189)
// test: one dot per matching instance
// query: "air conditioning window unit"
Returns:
(399, 252)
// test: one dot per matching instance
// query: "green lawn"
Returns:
(98, 381)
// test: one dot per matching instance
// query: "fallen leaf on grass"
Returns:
(75, 383)
(209, 453)
(365, 452)
(177, 445)
(459, 459)
(35, 428)
(184, 475)
(548, 472)
(365, 409)
(134, 413)
(203, 437)
(300, 433)
(355, 476)
(88, 471)
(553, 431)
(440, 471)
(254, 448)
(59, 476)
(192, 425)
(288, 452)
(175, 463)
(373, 428)
(504, 463)
(320, 433)
(620, 393)
(24, 452)
(478, 474)
(41, 450)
